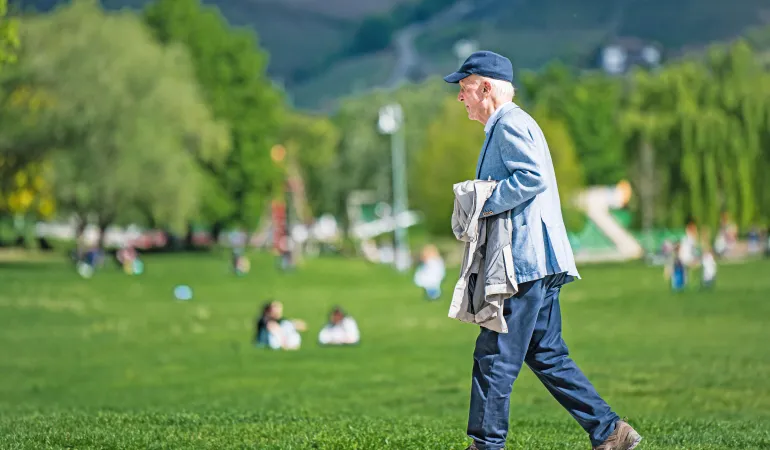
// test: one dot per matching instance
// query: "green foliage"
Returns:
(364, 155)
(567, 166)
(22, 109)
(125, 122)
(374, 34)
(588, 106)
(27, 193)
(311, 143)
(449, 156)
(9, 35)
(116, 362)
(706, 125)
(230, 68)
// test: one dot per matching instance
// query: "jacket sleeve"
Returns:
(519, 153)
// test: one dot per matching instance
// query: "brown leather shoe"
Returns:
(623, 438)
(472, 447)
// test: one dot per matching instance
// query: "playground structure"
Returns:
(597, 203)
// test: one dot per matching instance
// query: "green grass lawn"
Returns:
(116, 362)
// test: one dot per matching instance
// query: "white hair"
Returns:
(501, 89)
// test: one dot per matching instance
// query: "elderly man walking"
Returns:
(516, 155)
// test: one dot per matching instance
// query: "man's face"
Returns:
(472, 96)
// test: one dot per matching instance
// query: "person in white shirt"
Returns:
(276, 332)
(709, 269)
(431, 272)
(342, 329)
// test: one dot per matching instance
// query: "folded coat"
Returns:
(487, 257)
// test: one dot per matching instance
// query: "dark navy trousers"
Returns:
(534, 337)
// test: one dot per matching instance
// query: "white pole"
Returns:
(391, 122)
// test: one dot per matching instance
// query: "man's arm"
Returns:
(519, 154)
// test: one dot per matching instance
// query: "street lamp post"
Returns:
(391, 122)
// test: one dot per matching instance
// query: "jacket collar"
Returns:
(502, 109)
(488, 128)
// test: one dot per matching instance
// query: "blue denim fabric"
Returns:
(534, 321)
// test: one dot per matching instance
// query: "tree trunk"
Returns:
(216, 229)
(80, 228)
(188, 239)
(102, 229)
(20, 227)
(103, 224)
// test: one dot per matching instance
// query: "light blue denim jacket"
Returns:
(516, 155)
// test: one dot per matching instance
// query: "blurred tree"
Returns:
(698, 138)
(311, 143)
(28, 193)
(363, 160)
(23, 190)
(230, 68)
(569, 171)
(21, 109)
(364, 155)
(644, 121)
(450, 155)
(589, 107)
(9, 36)
(126, 123)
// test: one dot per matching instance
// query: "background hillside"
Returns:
(323, 50)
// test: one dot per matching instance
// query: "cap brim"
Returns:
(455, 77)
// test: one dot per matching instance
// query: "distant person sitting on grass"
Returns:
(276, 332)
(342, 329)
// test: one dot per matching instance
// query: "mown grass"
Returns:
(117, 362)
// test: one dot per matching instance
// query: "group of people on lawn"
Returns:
(277, 332)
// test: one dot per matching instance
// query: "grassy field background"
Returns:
(117, 362)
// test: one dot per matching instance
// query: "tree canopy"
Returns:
(230, 69)
(123, 122)
(705, 126)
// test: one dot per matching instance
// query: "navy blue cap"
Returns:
(486, 64)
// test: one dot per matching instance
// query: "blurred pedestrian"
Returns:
(708, 269)
(431, 272)
(677, 271)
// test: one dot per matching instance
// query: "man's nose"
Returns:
(459, 96)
